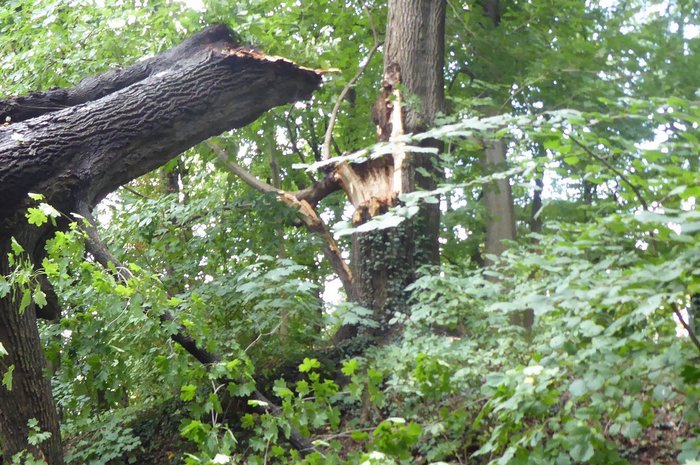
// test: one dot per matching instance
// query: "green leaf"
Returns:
(631, 430)
(188, 392)
(350, 366)
(690, 228)
(5, 287)
(309, 364)
(359, 435)
(39, 297)
(241, 389)
(590, 329)
(16, 247)
(7, 377)
(49, 210)
(26, 300)
(662, 392)
(582, 451)
(690, 373)
(578, 388)
(257, 403)
(36, 217)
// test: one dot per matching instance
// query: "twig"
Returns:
(309, 120)
(260, 336)
(136, 193)
(241, 172)
(691, 334)
(294, 143)
(326, 149)
(635, 189)
(375, 33)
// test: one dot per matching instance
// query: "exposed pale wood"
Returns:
(101, 144)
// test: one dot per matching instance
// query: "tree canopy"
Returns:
(256, 299)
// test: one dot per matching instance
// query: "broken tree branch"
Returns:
(87, 151)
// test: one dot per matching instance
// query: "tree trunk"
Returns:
(77, 145)
(385, 262)
(498, 195)
(30, 394)
(498, 200)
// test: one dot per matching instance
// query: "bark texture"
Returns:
(90, 149)
(498, 200)
(385, 262)
(75, 146)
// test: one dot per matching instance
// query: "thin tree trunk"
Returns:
(498, 200)
(498, 195)
(279, 230)
(535, 213)
(536, 206)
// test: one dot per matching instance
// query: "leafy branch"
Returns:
(307, 212)
(637, 191)
(181, 336)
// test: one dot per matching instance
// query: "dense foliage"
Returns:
(600, 105)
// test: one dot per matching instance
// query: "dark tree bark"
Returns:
(77, 145)
(385, 262)
(30, 396)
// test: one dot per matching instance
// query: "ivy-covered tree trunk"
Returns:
(384, 262)
(74, 146)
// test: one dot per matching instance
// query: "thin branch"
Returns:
(294, 142)
(241, 172)
(312, 195)
(458, 16)
(326, 150)
(375, 33)
(691, 334)
(319, 191)
(260, 336)
(635, 189)
(135, 192)
(307, 212)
